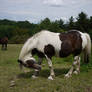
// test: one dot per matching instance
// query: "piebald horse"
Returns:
(48, 44)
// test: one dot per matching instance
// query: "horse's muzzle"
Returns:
(30, 64)
(37, 66)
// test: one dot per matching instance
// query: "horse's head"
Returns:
(26, 57)
(31, 63)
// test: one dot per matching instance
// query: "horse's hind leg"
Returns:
(5, 46)
(2, 47)
(76, 62)
(36, 73)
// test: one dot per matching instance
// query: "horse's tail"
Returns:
(87, 50)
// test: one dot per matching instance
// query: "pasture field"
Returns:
(10, 73)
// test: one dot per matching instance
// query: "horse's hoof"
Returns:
(12, 83)
(76, 72)
(34, 77)
(67, 76)
(50, 78)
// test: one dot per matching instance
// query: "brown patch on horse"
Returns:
(49, 50)
(71, 43)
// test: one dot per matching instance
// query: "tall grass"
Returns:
(9, 71)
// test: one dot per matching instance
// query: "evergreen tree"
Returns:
(71, 23)
(60, 23)
(82, 22)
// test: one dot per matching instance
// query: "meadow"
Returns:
(23, 82)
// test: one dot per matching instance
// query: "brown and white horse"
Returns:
(4, 42)
(48, 44)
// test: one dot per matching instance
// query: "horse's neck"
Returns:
(26, 50)
(27, 56)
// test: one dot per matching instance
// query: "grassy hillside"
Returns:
(10, 73)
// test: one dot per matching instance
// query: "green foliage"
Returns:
(71, 24)
(82, 22)
(6, 30)
(90, 22)
(90, 32)
(60, 23)
(19, 35)
(18, 39)
(45, 24)
(23, 24)
(19, 31)
(7, 22)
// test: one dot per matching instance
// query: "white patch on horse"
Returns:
(51, 38)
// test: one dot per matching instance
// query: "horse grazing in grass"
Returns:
(4, 42)
(48, 44)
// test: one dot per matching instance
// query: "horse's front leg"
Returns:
(77, 67)
(36, 73)
(76, 61)
(52, 74)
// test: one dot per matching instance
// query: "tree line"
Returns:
(19, 31)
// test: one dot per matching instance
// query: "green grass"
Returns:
(9, 71)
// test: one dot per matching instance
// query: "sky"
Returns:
(37, 10)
